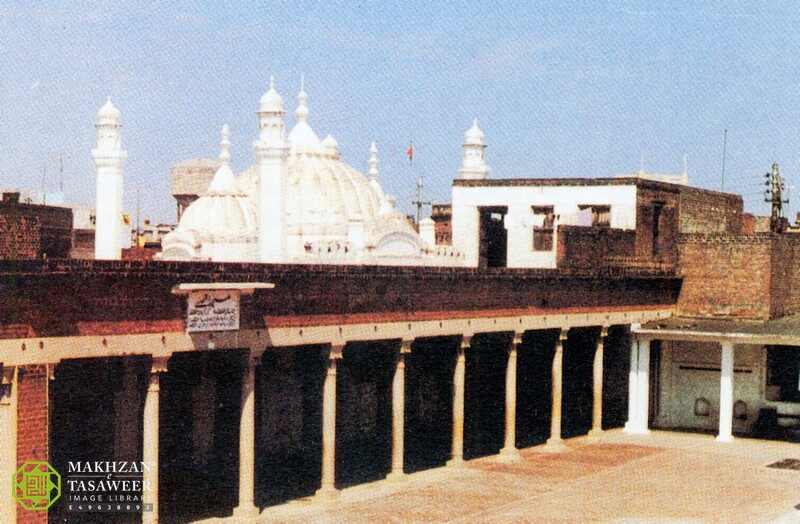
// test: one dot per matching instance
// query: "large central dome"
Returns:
(322, 195)
(313, 207)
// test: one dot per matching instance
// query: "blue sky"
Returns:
(560, 89)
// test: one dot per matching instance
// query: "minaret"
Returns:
(271, 151)
(473, 165)
(373, 170)
(108, 158)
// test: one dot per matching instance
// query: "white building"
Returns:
(298, 204)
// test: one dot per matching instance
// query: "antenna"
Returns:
(419, 202)
(61, 159)
(44, 175)
(724, 154)
(137, 217)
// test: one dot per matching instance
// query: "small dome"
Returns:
(224, 214)
(108, 114)
(331, 147)
(302, 138)
(473, 135)
(271, 101)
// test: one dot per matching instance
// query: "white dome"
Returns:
(323, 194)
(473, 135)
(271, 101)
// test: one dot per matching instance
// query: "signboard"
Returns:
(216, 310)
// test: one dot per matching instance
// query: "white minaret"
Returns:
(271, 151)
(373, 170)
(473, 166)
(108, 158)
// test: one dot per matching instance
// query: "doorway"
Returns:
(493, 237)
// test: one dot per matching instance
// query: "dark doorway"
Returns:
(534, 380)
(289, 423)
(484, 394)
(493, 237)
(654, 381)
(200, 406)
(96, 410)
(364, 412)
(616, 367)
(429, 402)
(577, 392)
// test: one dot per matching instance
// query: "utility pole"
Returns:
(774, 195)
(419, 202)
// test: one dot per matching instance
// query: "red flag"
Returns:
(410, 152)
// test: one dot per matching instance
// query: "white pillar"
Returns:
(633, 388)
(509, 451)
(328, 485)
(597, 385)
(8, 444)
(555, 442)
(459, 375)
(150, 440)
(726, 394)
(643, 389)
(398, 411)
(247, 443)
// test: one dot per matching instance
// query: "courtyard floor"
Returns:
(660, 477)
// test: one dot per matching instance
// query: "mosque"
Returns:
(322, 361)
(299, 203)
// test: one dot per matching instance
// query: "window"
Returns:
(543, 228)
(601, 215)
(783, 373)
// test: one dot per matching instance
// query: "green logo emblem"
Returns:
(36, 485)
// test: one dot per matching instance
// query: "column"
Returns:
(150, 440)
(459, 374)
(398, 411)
(633, 377)
(597, 385)
(555, 443)
(328, 487)
(726, 395)
(509, 451)
(8, 444)
(247, 442)
(642, 389)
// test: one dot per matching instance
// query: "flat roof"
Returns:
(783, 331)
(584, 182)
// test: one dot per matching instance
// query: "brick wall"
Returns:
(32, 426)
(30, 231)
(61, 298)
(663, 247)
(20, 234)
(579, 245)
(704, 211)
(749, 276)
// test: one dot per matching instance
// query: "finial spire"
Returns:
(272, 81)
(224, 146)
(302, 101)
(373, 162)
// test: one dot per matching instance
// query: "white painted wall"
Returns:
(519, 221)
(679, 388)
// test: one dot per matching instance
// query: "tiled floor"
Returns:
(618, 478)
